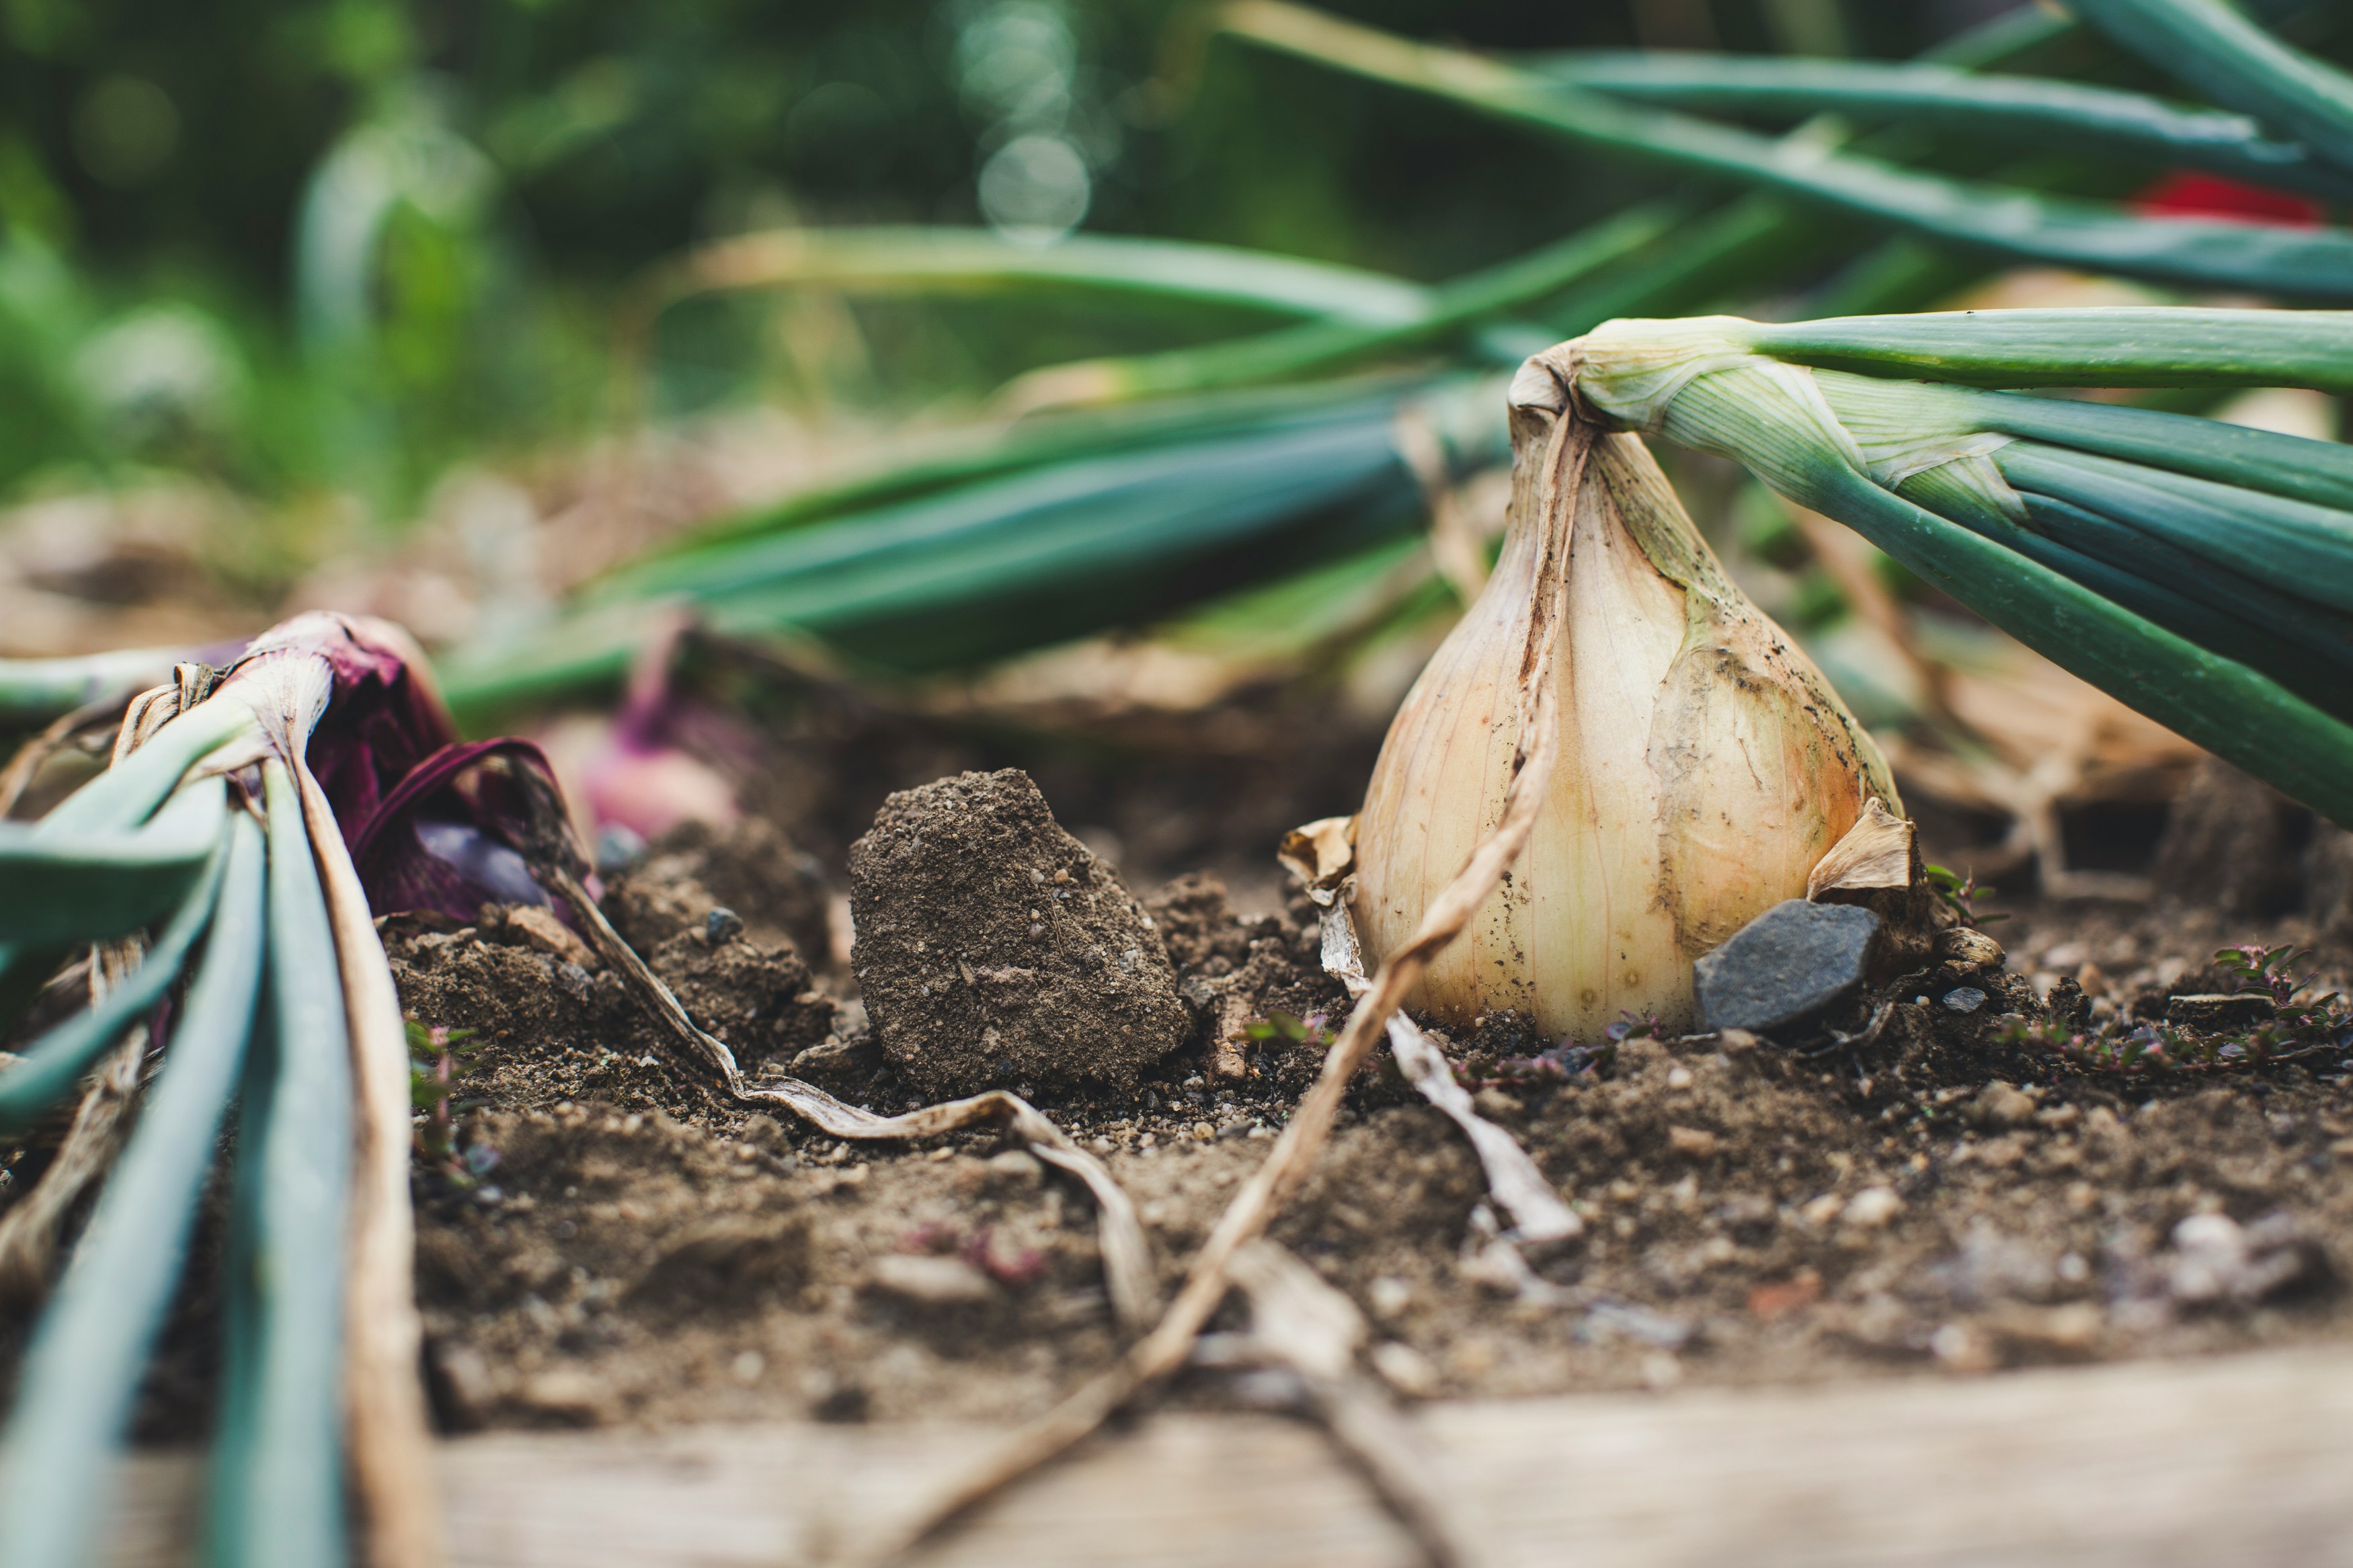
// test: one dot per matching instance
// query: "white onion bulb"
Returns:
(1705, 764)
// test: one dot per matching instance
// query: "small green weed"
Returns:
(434, 1053)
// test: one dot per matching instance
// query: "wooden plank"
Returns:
(2240, 1460)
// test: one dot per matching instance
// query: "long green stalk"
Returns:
(2222, 52)
(88, 1357)
(1327, 345)
(32, 689)
(2305, 650)
(2116, 346)
(127, 793)
(277, 1464)
(93, 885)
(945, 260)
(2318, 472)
(2304, 551)
(2036, 110)
(50, 1066)
(116, 801)
(2315, 264)
(993, 567)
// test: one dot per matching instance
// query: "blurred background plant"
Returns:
(339, 249)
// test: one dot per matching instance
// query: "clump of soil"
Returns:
(993, 949)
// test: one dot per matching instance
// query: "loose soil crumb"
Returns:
(996, 950)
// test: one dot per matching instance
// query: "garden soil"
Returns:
(609, 1241)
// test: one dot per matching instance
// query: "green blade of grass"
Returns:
(1755, 418)
(51, 1065)
(2113, 346)
(2036, 110)
(2301, 263)
(2219, 50)
(90, 1352)
(277, 1484)
(64, 888)
(2304, 551)
(975, 262)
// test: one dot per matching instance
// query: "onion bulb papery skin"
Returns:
(1705, 764)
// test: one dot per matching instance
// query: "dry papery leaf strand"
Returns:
(1566, 448)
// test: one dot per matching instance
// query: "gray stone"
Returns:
(1788, 964)
(1965, 999)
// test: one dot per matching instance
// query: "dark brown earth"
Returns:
(607, 1241)
(1934, 1200)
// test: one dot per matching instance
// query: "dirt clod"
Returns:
(994, 949)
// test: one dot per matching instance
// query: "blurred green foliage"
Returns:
(290, 246)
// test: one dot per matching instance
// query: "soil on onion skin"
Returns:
(608, 1242)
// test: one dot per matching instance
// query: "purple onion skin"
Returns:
(432, 823)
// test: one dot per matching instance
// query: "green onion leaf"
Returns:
(2217, 49)
(1760, 419)
(277, 1463)
(2271, 259)
(885, 261)
(88, 887)
(53, 1064)
(2303, 550)
(90, 1354)
(2035, 109)
(2126, 345)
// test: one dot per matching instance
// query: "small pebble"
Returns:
(1872, 1207)
(618, 848)
(931, 1281)
(1697, 1142)
(1405, 1369)
(1963, 999)
(1964, 945)
(722, 924)
(1015, 1167)
(1788, 964)
(2003, 1105)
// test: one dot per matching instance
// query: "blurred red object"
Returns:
(2186, 193)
